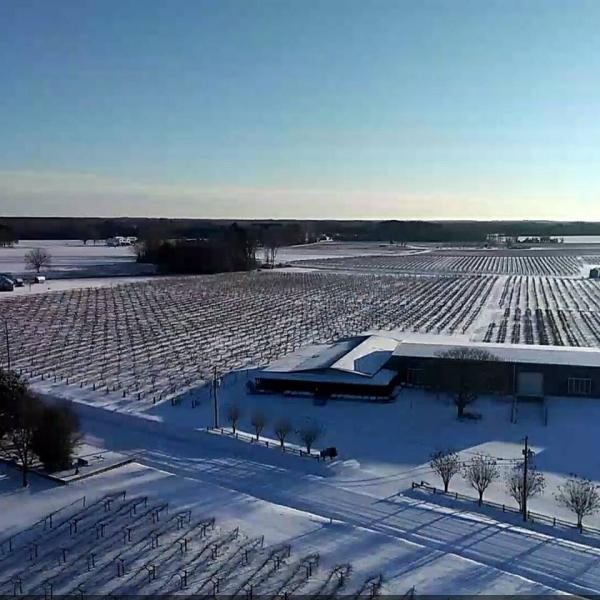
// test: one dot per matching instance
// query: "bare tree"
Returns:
(464, 372)
(309, 433)
(282, 428)
(233, 414)
(521, 488)
(480, 472)
(37, 258)
(580, 496)
(446, 464)
(258, 421)
(272, 244)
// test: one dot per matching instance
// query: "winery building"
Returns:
(374, 367)
(525, 371)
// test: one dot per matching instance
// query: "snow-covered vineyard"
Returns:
(548, 311)
(156, 339)
(134, 545)
(212, 515)
(459, 263)
(153, 340)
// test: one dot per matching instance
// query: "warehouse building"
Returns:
(372, 367)
(525, 371)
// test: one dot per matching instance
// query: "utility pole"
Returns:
(525, 467)
(215, 399)
(7, 343)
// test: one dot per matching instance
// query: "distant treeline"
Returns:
(234, 249)
(452, 231)
(14, 228)
(7, 236)
(89, 229)
(226, 248)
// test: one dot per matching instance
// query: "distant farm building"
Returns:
(500, 239)
(372, 367)
(120, 240)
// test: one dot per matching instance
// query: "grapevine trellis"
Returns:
(155, 340)
(121, 545)
(547, 310)
(459, 263)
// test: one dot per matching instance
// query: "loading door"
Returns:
(530, 385)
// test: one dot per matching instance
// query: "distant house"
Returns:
(120, 240)
(500, 239)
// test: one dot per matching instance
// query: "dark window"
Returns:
(579, 386)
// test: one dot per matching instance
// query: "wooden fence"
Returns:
(532, 517)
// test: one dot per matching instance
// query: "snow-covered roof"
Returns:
(315, 356)
(421, 346)
(363, 359)
(359, 359)
(368, 357)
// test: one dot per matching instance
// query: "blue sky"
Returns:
(301, 108)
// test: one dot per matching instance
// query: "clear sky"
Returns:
(300, 108)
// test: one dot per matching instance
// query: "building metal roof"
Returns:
(359, 359)
(431, 346)
(314, 357)
(368, 357)
(365, 359)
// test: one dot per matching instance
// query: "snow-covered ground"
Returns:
(405, 559)
(77, 283)
(377, 523)
(385, 447)
(357, 510)
(321, 250)
(71, 258)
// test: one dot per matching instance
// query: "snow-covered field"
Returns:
(545, 310)
(152, 340)
(357, 511)
(326, 250)
(142, 546)
(71, 258)
(122, 351)
(488, 263)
